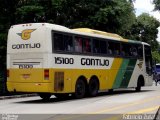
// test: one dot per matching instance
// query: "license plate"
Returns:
(26, 76)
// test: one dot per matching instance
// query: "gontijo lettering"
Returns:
(26, 46)
(94, 62)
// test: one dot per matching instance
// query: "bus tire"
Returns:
(45, 96)
(80, 88)
(110, 91)
(140, 83)
(93, 87)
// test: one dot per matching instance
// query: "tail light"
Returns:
(7, 73)
(46, 74)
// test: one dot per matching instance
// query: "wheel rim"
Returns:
(93, 87)
(80, 89)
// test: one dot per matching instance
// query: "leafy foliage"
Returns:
(145, 29)
(156, 56)
(157, 4)
(115, 16)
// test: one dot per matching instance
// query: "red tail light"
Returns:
(7, 73)
(46, 74)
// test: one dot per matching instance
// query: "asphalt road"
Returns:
(121, 104)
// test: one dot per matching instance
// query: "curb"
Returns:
(157, 115)
(17, 96)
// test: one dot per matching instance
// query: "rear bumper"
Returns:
(30, 87)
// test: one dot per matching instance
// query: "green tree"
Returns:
(145, 29)
(111, 16)
(29, 12)
(116, 17)
(157, 4)
(156, 56)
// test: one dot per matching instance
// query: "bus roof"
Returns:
(106, 34)
(88, 30)
(81, 31)
(48, 25)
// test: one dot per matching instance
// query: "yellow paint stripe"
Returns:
(126, 105)
(116, 117)
(73, 117)
(145, 110)
(114, 70)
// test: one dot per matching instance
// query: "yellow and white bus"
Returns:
(51, 59)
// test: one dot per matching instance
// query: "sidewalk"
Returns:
(16, 96)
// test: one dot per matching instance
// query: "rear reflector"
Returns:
(46, 74)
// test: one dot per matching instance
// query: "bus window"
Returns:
(63, 42)
(133, 51)
(58, 42)
(148, 59)
(122, 50)
(78, 44)
(140, 51)
(68, 43)
(96, 46)
(111, 48)
(103, 47)
(99, 46)
(126, 50)
(87, 45)
(117, 49)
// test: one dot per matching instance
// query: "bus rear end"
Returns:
(26, 67)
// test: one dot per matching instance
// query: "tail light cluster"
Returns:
(46, 74)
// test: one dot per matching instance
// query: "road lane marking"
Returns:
(145, 110)
(126, 105)
(116, 117)
(64, 117)
(116, 108)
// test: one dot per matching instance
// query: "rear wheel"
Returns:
(80, 89)
(139, 85)
(110, 91)
(45, 96)
(93, 87)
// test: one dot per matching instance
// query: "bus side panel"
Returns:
(120, 75)
(106, 77)
(138, 70)
(128, 73)
(114, 73)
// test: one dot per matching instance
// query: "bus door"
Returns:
(148, 62)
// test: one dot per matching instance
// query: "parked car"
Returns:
(157, 73)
